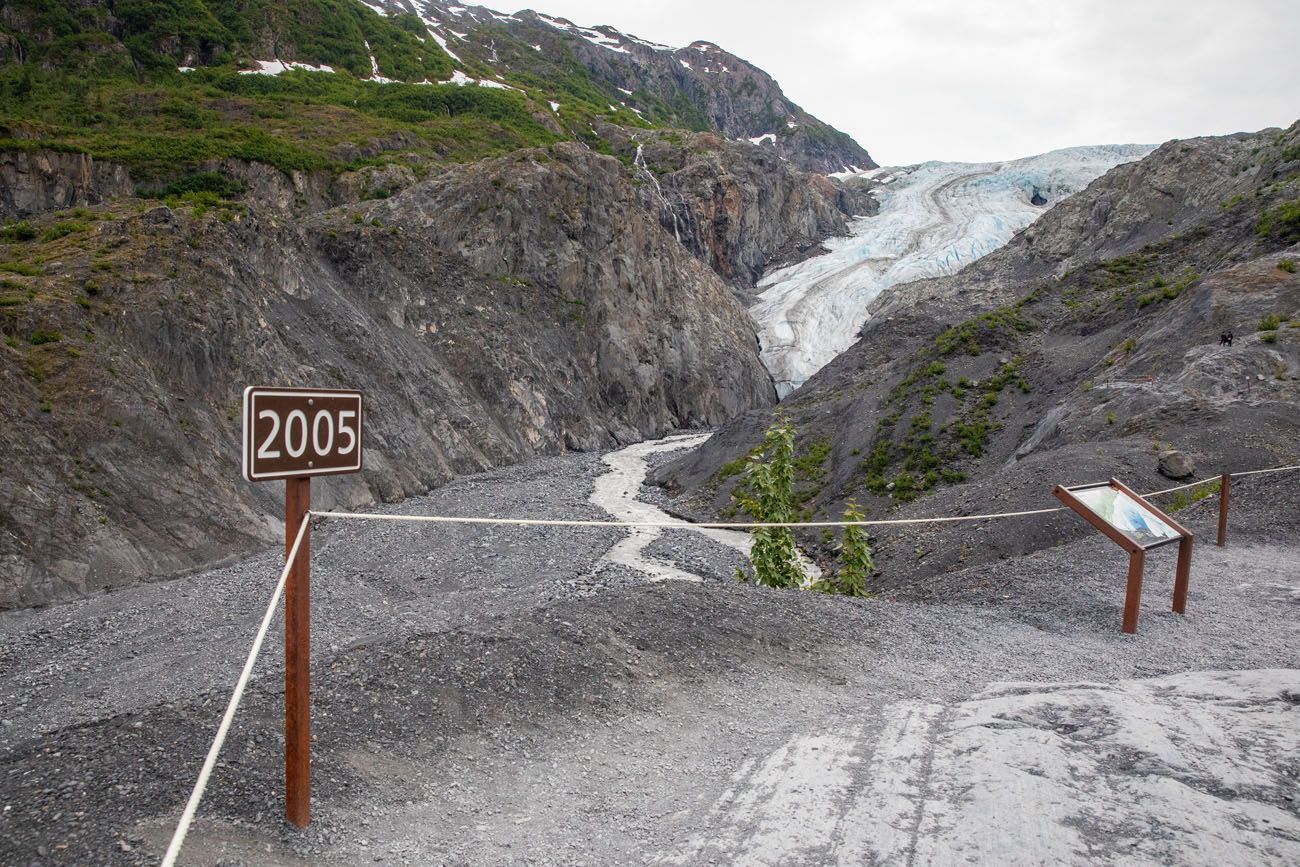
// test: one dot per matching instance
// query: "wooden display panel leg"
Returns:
(1133, 597)
(1183, 576)
(297, 657)
(1225, 486)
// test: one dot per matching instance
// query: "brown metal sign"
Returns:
(298, 432)
(1122, 515)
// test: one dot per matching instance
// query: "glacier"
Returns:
(935, 218)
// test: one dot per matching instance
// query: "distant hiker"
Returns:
(1225, 339)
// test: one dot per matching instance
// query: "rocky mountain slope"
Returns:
(1080, 351)
(934, 219)
(519, 260)
(512, 307)
(699, 87)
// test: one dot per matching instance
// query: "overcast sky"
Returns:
(982, 80)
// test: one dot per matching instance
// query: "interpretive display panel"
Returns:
(1127, 515)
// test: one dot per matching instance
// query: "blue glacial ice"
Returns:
(935, 218)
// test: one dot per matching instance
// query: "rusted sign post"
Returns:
(294, 434)
(1137, 526)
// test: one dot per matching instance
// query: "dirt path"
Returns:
(516, 696)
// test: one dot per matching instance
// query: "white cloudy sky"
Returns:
(995, 79)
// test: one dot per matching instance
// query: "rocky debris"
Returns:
(493, 312)
(1175, 465)
(470, 702)
(1079, 352)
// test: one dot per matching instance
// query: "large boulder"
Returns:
(1176, 465)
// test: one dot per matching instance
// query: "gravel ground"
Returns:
(476, 702)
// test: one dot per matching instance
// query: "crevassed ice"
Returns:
(935, 218)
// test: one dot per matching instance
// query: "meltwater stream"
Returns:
(617, 490)
(935, 219)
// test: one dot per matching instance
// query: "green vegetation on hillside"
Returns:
(297, 120)
(102, 79)
(148, 37)
(1281, 222)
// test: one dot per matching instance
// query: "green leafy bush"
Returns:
(1287, 265)
(767, 496)
(1282, 222)
(19, 231)
(62, 230)
(42, 336)
(214, 183)
(22, 268)
(856, 562)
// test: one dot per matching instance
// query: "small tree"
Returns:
(855, 555)
(767, 495)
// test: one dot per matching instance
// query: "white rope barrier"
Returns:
(668, 525)
(187, 817)
(1273, 470)
(1217, 478)
(1184, 487)
(687, 525)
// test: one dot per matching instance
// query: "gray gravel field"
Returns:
(488, 696)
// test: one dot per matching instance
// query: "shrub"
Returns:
(42, 336)
(22, 268)
(1268, 336)
(1270, 323)
(1287, 265)
(1183, 499)
(1282, 222)
(856, 563)
(20, 231)
(767, 496)
(213, 183)
(62, 230)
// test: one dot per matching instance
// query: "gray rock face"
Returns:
(742, 210)
(34, 181)
(1076, 353)
(1175, 465)
(492, 312)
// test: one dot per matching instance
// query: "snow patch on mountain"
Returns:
(442, 42)
(275, 67)
(460, 79)
(935, 218)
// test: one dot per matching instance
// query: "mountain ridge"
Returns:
(290, 84)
